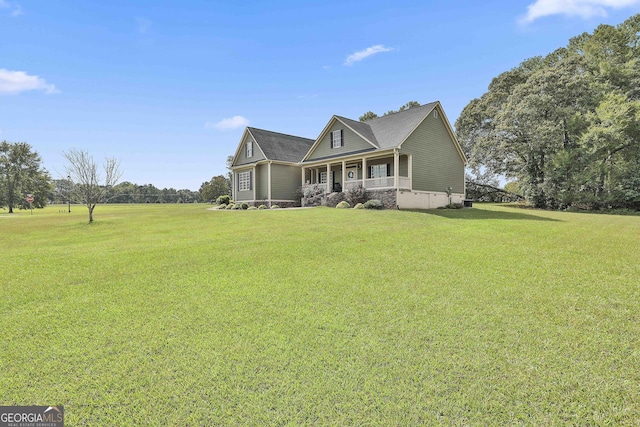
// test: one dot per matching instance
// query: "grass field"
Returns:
(175, 315)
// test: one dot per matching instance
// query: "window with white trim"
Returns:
(323, 177)
(435, 114)
(378, 171)
(336, 139)
(249, 149)
(244, 181)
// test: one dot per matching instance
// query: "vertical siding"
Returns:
(285, 181)
(352, 142)
(436, 162)
(262, 182)
(242, 155)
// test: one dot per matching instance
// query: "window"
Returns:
(323, 177)
(379, 171)
(336, 139)
(244, 181)
(435, 114)
(249, 149)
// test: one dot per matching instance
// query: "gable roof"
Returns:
(384, 132)
(391, 130)
(280, 146)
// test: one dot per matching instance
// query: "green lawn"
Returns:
(175, 315)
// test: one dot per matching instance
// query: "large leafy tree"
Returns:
(564, 126)
(21, 173)
(218, 186)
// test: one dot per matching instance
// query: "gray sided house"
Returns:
(410, 159)
(266, 167)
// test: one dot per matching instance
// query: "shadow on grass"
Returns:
(475, 213)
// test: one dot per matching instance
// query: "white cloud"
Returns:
(360, 55)
(16, 9)
(19, 81)
(582, 8)
(231, 123)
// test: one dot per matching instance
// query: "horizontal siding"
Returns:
(239, 196)
(262, 182)
(436, 163)
(285, 181)
(404, 166)
(242, 155)
(352, 143)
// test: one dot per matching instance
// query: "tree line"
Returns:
(22, 174)
(565, 127)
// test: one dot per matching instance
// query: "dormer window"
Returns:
(337, 139)
(249, 149)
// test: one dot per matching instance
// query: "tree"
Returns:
(22, 174)
(367, 116)
(89, 187)
(218, 186)
(566, 126)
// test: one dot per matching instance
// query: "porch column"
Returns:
(396, 166)
(253, 183)
(364, 172)
(303, 175)
(410, 170)
(344, 175)
(269, 181)
(328, 178)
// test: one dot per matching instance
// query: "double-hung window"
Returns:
(244, 181)
(323, 177)
(337, 139)
(249, 149)
(379, 171)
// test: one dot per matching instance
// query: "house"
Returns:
(266, 167)
(409, 159)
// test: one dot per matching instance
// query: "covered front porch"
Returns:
(391, 171)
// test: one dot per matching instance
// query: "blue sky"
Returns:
(168, 86)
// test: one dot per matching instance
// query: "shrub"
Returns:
(343, 205)
(275, 207)
(312, 190)
(244, 205)
(252, 208)
(356, 194)
(238, 206)
(223, 200)
(262, 207)
(373, 204)
(222, 206)
(230, 206)
(359, 206)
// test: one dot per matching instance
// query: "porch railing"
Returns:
(385, 182)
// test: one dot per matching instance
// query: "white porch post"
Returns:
(303, 175)
(328, 178)
(253, 183)
(344, 174)
(410, 170)
(396, 167)
(364, 172)
(269, 181)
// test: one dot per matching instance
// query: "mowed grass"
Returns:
(175, 315)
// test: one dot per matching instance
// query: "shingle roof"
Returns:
(393, 129)
(279, 146)
(362, 128)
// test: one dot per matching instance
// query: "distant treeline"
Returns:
(127, 192)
